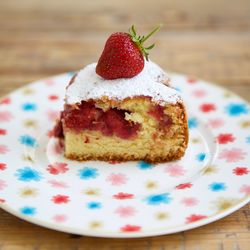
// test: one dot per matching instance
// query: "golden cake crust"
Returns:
(111, 157)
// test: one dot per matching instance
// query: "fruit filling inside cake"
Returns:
(122, 108)
(134, 127)
(111, 122)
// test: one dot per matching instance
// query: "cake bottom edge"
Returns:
(112, 157)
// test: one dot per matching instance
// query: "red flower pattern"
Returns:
(60, 199)
(123, 196)
(184, 185)
(207, 107)
(130, 228)
(2, 166)
(195, 217)
(3, 131)
(5, 100)
(191, 80)
(2, 201)
(240, 171)
(58, 168)
(53, 97)
(225, 138)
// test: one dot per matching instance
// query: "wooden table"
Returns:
(209, 39)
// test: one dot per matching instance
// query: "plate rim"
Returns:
(61, 228)
(186, 227)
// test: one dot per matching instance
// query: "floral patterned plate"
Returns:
(133, 199)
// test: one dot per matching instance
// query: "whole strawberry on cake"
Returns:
(123, 107)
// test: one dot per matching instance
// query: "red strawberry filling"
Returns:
(164, 120)
(110, 122)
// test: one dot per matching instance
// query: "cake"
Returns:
(122, 119)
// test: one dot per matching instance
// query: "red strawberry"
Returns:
(123, 55)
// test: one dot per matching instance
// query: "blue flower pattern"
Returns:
(237, 109)
(144, 165)
(94, 205)
(28, 174)
(88, 173)
(28, 140)
(192, 122)
(217, 186)
(201, 157)
(28, 211)
(29, 106)
(158, 199)
(248, 139)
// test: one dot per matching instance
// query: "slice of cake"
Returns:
(136, 117)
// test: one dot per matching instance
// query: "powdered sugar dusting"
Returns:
(88, 85)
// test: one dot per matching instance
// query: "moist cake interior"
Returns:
(130, 129)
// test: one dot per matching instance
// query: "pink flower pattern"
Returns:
(53, 115)
(124, 212)
(232, 155)
(60, 218)
(5, 116)
(245, 189)
(175, 170)
(49, 82)
(199, 93)
(215, 123)
(3, 149)
(2, 184)
(57, 184)
(117, 179)
(189, 201)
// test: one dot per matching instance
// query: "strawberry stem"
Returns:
(151, 33)
(140, 40)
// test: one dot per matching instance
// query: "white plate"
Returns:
(132, 199)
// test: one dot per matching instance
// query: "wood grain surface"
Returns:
(206, 38)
